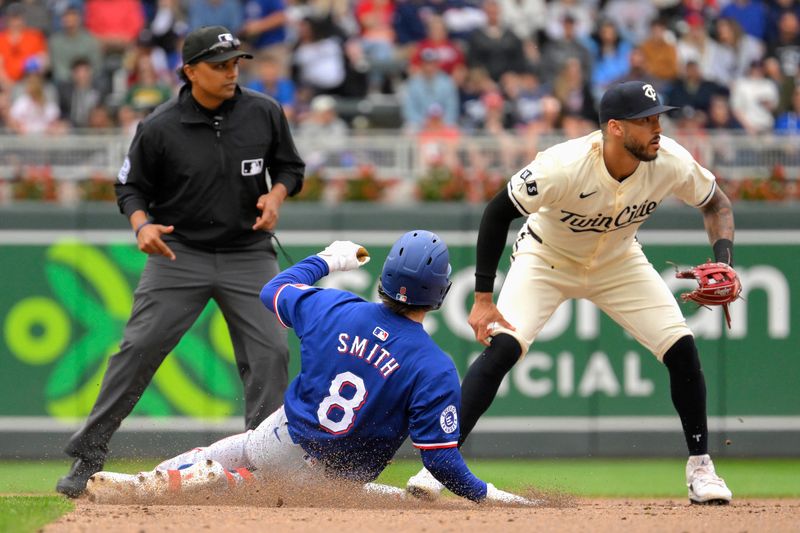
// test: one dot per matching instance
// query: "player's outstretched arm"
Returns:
(448, 467)
(338, 256)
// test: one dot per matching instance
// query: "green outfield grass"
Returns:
(633, 478)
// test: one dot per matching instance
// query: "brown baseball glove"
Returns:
(718, 284)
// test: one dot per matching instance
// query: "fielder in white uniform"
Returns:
(585, 200)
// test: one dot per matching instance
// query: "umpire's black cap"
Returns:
(212, 44)
(631, 99)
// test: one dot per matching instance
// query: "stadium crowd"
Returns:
(469, 66)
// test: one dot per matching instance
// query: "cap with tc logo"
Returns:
(212, 44)
(631, 99)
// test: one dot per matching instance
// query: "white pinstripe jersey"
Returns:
(581, 212)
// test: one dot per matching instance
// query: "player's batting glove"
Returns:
(344, 255)
(493, 494)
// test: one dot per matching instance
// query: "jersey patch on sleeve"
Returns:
(124, 171)
(530, 182)
(449, 419)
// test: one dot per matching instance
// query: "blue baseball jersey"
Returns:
(369, 377)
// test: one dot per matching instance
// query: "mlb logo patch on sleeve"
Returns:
(252, 167)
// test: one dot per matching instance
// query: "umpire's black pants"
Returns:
(167, 301)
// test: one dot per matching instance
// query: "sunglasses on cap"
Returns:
(215, 49)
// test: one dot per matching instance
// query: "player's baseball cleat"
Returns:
(74, 483)
(705, 486)
(424, 486)
(112, 487)
(384, 490)
(204, 475)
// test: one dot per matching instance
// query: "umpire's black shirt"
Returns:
(202, 171)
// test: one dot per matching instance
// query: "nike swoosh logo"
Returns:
(276, 434)
(586, 195)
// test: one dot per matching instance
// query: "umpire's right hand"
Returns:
(149, 240)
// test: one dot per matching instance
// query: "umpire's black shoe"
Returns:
(74, 483)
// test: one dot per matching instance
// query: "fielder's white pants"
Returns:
(629, 290)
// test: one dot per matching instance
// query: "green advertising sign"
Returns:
(66, 298)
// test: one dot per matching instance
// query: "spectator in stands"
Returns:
(526, 19)
(101, 119)
(376, 38)
(717, 63)
(409, 25)
(785, 84)
(494, 47)
(271, 80)
(70, 43)
(265, 24)
(427, 87)
(38, 14)
(449, 55)
(720, 116)
(527, 98)
(226, 13)
(579, 12)
(147, 92)
(20, 45)
(80, 94)
(322, 124)
(741, 48)
(660, 55)
(610, 56)
(146, 47)
(692, 93)
(638, 69)
(631, 17)
(558, 52)
(168, 27)
(785, 44)
(319, 65)
(471, 89)
(788, 122)
(574, 93)
(753, 100)
(438, 139)
(751, 16)
(127, 119)
(35, 110)
(775, 10)
(115, 23)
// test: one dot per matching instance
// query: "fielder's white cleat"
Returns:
(424, 486)
(705, 486)
(111, 487)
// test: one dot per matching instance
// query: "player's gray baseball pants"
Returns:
(167, 301)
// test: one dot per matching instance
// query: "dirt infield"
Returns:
(562, 514)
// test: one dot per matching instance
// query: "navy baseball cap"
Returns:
(631, 99)
(212, 44)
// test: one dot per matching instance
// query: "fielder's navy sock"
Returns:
(483, 379)
(688, 388)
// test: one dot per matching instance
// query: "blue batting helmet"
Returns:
(417, 270)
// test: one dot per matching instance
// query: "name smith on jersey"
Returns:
(369, 352)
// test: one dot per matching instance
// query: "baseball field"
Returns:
(577, 495)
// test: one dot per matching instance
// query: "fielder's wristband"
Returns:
(139, 228)
(723, 251)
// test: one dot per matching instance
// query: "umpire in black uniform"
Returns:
(202, 185)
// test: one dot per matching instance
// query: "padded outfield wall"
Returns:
(585, 387)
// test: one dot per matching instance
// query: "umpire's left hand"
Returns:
(269, 204)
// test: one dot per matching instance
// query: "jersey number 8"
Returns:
(337, 401)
